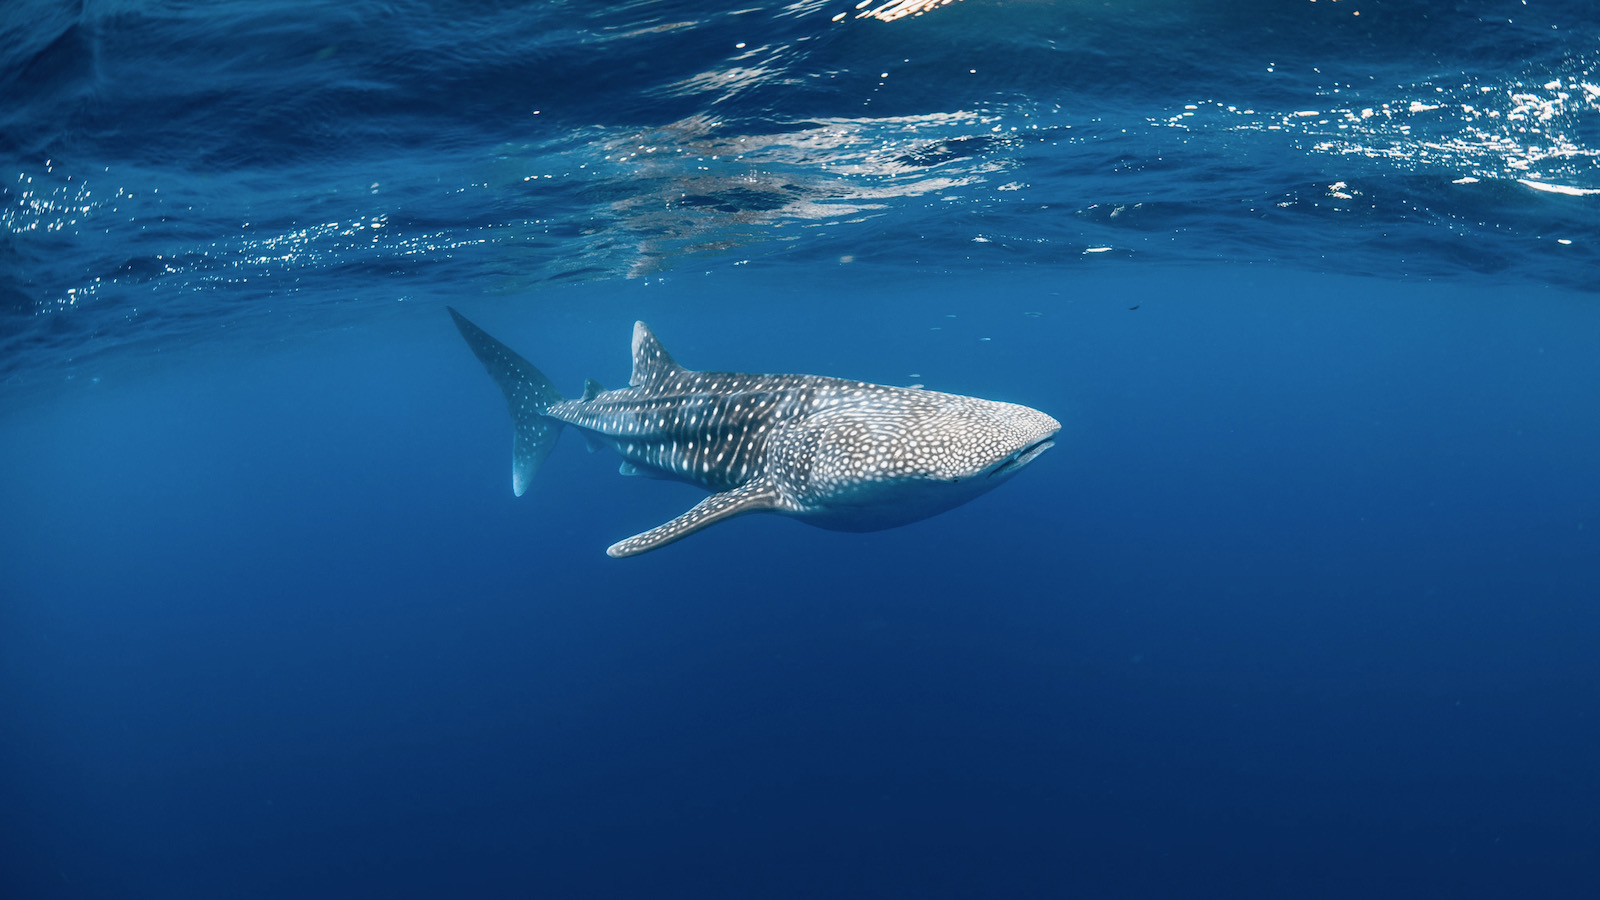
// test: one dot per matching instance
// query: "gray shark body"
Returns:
(839, 454)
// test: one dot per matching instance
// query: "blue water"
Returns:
(1304, 603)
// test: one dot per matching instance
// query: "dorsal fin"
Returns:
(592, 389)
(752, 497)
(651, 361)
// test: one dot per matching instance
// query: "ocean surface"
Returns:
(1304, 603)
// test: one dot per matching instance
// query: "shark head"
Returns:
(909, 454)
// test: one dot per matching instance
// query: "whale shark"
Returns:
(839, 454)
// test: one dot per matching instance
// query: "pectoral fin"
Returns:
(752, 497)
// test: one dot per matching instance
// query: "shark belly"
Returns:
(883, 509)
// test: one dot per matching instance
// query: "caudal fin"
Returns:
(529, 395)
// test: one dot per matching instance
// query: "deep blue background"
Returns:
(1304, 603)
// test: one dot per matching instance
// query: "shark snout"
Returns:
(1038, 431)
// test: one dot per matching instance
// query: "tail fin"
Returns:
(528, 393)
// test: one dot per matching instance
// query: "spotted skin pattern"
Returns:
(839, 454)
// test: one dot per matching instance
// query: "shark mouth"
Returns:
(1022, 457)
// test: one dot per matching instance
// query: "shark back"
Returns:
(712, 429)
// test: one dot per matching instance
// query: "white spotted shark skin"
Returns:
(839, 454)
